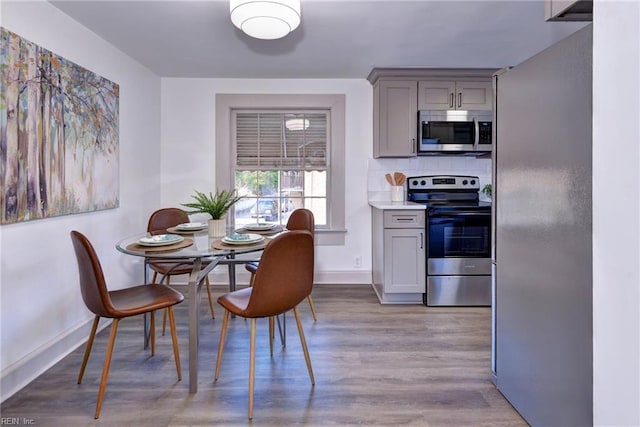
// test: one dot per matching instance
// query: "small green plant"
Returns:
(217, 205)
(486, 190)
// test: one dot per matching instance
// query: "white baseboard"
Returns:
(17, 375)
(342, 277)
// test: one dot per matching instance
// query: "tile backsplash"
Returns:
(378, 189)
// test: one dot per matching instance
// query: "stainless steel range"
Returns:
(458, 230)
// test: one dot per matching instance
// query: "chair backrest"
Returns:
(92, 283)
(301, 219)
(165, 218)
(285, 275)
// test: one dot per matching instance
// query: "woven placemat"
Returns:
(277, 229)
(136, 247)
(176, 230)
(219, 244)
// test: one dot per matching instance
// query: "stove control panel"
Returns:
(443, 182)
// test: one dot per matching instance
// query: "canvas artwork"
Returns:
(58, 135)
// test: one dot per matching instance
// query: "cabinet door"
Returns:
(474, 95)
(404, 261)
(396, 119)
(436, 95)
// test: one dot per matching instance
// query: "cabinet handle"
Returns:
(421, 240)
(413, 145)
(459, 99)
(451, 100)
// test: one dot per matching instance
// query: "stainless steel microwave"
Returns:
(454, 131)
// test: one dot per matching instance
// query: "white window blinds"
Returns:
(281, 140)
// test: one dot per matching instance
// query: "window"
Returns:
(280, 164)
(283, 152)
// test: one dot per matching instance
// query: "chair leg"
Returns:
(271, 334)
(313, 308)
(152, 332)
(252, 366)
(107, 364)
(87, 350)
(304, 344)
(223, 336)
(251, 279)
(155, 276)
(208, 285)
(164, 314)
(174, 338)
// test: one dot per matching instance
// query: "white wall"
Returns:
(616, 213)
(188, 155)
(43, 316)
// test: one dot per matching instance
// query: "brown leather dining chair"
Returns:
(159, 221)
(283, 279)
(300, 219)
(117, 305)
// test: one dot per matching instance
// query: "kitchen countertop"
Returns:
(387, 204)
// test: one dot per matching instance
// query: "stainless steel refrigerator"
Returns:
(542, 234)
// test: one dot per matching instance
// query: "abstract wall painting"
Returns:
(59, 148)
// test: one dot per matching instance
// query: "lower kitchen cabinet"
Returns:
(399, 255)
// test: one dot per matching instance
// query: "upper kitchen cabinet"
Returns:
(455, 95)
(394, 118)
(568, 10)
(398, 94)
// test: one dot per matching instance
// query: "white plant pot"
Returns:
(217, 227)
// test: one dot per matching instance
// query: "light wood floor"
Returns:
(373, 364)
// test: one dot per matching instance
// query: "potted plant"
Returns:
(486, 190)
(216, 205)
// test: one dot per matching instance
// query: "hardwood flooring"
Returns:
(374, 365)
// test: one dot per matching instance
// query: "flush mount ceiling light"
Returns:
(265, 19)
(296, 124)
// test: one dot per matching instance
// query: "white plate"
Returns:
(191, 226)
(242, 239)
(260, 227)
(160, 240)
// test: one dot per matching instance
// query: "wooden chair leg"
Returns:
(252, 366)
(87, 350)
(253, 276)
(107, 364)
(271, 334)
(223, 335)
(304, 344)
(164, 314)
(155, 276)
(208, 285)
(152, 332)
(313, 308)
(174, 338)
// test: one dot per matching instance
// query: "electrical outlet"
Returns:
(357, 262)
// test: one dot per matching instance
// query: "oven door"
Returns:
(459, 241)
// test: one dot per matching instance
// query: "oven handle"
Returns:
(458, 213)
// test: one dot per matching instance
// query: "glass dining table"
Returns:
(204, 253)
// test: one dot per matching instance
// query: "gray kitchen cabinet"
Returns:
(394, 118)
(455, 95)
(399, 255)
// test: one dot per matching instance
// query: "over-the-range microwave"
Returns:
(454, 131)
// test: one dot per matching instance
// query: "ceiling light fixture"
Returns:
(296, 124)
(265, 19)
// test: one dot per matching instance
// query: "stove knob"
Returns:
(473, 182)
(423, 182)
(414, 182)
(464, 182)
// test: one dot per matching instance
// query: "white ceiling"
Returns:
(336, 39)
